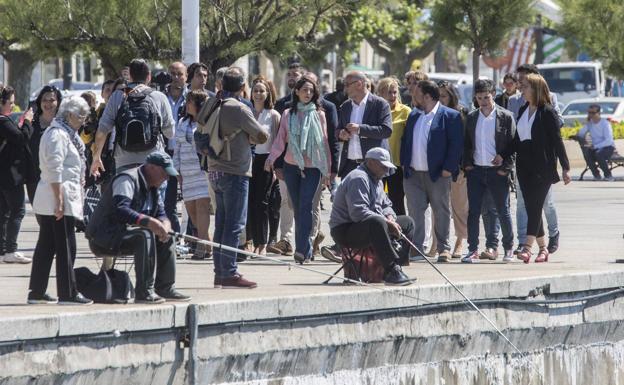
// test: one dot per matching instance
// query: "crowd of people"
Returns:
(409, 156)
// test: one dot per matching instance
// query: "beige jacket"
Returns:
(235, 115)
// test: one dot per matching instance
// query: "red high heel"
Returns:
(525, 255)
(542, 256)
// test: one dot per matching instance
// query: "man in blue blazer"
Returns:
(431, 150)
(365, 122)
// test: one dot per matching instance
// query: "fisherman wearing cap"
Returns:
(130, 219)
(362, 214)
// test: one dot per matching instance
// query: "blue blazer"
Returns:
(444, 145)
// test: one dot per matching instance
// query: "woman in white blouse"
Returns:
(538, 146)
(193, 181)
(58, 203)
(263, 98)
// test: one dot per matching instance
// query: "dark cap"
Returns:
(163, 160)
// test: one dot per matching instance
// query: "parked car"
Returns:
(611, 108)
(77, 88)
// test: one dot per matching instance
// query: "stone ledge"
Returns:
(138, 318)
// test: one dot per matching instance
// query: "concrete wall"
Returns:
(344, 338)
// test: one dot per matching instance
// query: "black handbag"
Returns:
(108, 286)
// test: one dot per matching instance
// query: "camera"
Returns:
(161, 80)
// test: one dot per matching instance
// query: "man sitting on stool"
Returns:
(362, 214)
(602, 144)
(133, 200)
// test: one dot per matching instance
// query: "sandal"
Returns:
(525, 255)
(542, 256)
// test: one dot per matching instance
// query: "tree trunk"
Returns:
(21, 65)
(476, 55)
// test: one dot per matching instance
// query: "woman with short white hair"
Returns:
(58, 203)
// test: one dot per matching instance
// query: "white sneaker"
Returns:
(15, 257)
(508, 256)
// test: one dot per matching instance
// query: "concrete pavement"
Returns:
(591, 223)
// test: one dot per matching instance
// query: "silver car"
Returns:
(611, 109)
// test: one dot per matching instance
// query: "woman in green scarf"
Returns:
(307, 161)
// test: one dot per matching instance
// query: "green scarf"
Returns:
(305, 137)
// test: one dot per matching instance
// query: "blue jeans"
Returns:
(231, 196)
(302, 186)
(521, 215)
(11, 214)
(491, 224)
(480, 180)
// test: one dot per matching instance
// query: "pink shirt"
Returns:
(282, 138)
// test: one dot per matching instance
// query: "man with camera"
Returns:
(362, 216)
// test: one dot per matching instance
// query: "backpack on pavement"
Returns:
(138, 122)
(209, 141)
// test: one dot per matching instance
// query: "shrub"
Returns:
(568, 132)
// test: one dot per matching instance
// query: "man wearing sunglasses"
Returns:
(602, 145)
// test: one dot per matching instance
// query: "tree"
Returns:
(231, 29)
(115, 30)
(596, 26)
(482, 24)
(397, 30)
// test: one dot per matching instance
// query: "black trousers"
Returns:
(154, 261)
(11, 214)
(534, 187)
(373, 231)
(258, 204)
(349, 165)
(275, 202)
(55, 238)
(395, 191)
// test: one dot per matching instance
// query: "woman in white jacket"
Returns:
(58, 203)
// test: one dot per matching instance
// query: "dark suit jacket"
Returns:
(444, 146)
(546, 143)
(376, 125)
(505, 130)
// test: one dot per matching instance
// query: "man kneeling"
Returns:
(362, 214)
(133, 200)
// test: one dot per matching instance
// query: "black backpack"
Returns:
(137, 122)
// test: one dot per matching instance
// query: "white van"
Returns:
(574, 80)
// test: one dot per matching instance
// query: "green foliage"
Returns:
(598, 27)
(231, 29)
(481, 24)
(114, 29)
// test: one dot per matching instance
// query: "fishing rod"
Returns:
(461, 293)
(360, 283)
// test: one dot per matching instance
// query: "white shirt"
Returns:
(524, 125)
(485, 142)
(601, 133)
(421, 137)
(357, 113)
(265, 119)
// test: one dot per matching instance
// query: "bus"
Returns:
(574, 80)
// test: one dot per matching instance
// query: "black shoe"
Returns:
(37, 299)
(151, 298)
(553, 243)
(174, 296)
(78, 299)
(241, 257)
(396, 277)
(332, 253)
